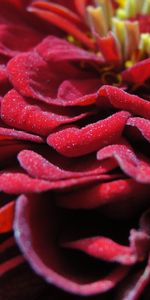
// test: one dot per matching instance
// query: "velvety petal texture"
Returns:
(74, 150)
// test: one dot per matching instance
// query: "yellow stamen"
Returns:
(145, 44)
(131, 8)
(121, 3)
(118, 28)
(132, 38)
(107, 8)
(71, 39)
(129, 64)
(131, 45)
(121, 14)
(97, 20)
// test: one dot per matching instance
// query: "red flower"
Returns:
(74, 136)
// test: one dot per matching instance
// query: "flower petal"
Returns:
(103, 248)
(50, 263)
(137, 74)
(37, 166)
(18, 183)
(137, 168)
(7, 217)
(124, 194)
(110, 96)
(74, 142)
(37, 118)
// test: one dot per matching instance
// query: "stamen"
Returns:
(145, 44)
(132, 39)
(131, 45)
(97, 20)
(132, 8)
(146, 7)
(107, 8)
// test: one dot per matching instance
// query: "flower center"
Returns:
(123, 25)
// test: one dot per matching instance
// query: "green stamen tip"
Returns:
(145, 44)
(118, 28)
(121, 14)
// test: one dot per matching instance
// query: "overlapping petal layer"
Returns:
(74, 148)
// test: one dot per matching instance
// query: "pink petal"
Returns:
(137, 168)
(19, 135)
(81, 92)
(50, 263)
(74, 142)
(123, 195)
(142, 125)
(56, 49)
(135, 285)
(103, 248)
(139, 73)
(37, 166)
(33, 77)
(113, 97)
(39, 119)
(18, 183)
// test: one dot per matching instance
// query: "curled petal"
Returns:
(37, 166)
(19, 135)
(126, 193)
(137, 168)
(74, 142)
(38, 119)
(113, 97)
(105, 249)
(142, 125)
(17, 183)
(56, 49)
(135, 285)
(33, 77)
(137, 74)
(50, 263)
